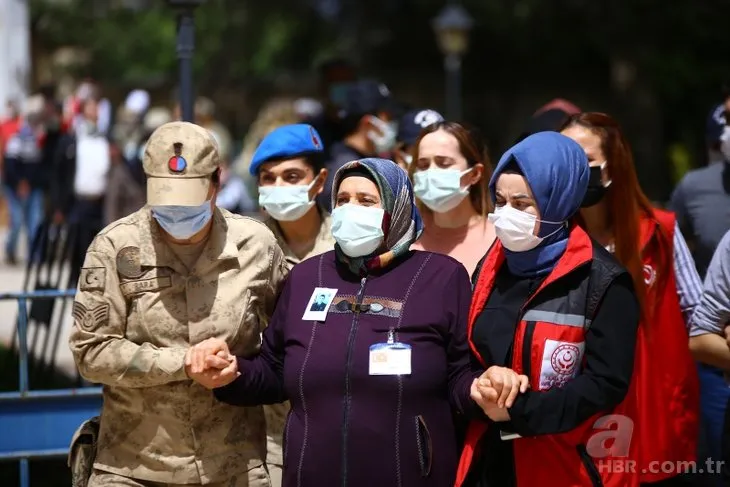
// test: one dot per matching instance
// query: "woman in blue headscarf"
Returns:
(550, 304)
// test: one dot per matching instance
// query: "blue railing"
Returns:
(40, 424)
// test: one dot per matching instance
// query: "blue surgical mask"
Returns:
(182, 222)
(358, 230)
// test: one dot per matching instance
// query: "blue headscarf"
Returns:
(402, 224)
(556, 168)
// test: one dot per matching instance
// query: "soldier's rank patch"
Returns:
(90, 318)
(128, 263)
(92, 279)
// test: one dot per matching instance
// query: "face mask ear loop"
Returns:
(603, 167)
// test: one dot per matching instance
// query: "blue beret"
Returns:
(286, 142)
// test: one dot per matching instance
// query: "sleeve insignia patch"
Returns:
(90, 319)
(92, 279)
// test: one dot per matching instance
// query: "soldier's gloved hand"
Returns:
(195, 360)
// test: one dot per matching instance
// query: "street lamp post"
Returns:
(185, 50)
(452, 27)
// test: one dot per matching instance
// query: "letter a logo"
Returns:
(614, 438)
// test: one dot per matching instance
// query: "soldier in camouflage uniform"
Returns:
(155, 283)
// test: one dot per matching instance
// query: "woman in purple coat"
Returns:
(368, 342)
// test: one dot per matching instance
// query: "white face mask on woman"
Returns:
(440, 189)
(515, 228)
(358, 230)
(286, 203)
(385, 140)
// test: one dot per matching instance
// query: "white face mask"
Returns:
(440, 189)
(358, 230)
(385, 140)
(286, 203)
(407, 158)
(515, 228)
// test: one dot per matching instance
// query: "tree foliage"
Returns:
(234, 38)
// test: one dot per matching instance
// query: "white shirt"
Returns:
(93, 161)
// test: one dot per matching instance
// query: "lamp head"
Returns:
(452, 26)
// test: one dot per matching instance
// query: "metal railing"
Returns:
(40, 424)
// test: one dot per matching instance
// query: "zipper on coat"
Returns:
(346, 407)
(590, 467)
(527, 347)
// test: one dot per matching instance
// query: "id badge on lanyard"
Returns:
(390, 358)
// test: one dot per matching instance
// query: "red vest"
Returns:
(665, 404)
(553, 334)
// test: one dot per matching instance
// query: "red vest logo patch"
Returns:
(565, 359)
(561, 361)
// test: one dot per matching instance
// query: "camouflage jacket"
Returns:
(136, 313)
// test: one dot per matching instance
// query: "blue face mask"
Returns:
(182, 222)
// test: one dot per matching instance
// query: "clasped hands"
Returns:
(496, 390)
(210, 364)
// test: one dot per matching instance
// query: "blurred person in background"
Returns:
(367, 117)
(275, 113)
(648, 242)
(450, 173)
(409, 129)
(710, 334)
(25, 176)
(80, 179)
(10, 123)
(335, 78)
(205, 116)
(128, 128)
(290, 170)
(90, 89)
(54, 128)
(714, 130)
(233, 194)
(308, 108)
(550, 117)
(701, 202)
(127, 180)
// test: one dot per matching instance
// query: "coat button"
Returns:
(376, 307)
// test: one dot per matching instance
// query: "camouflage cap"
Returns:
(179, 159)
